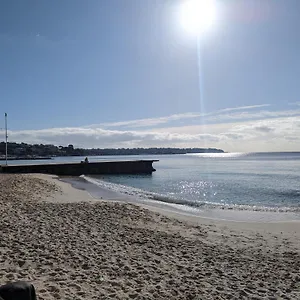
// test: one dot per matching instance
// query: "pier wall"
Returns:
(76, 169)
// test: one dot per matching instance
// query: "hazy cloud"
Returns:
(82, 137)
(263, 128)
(265, 134)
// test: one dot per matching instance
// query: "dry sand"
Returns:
(71, 246)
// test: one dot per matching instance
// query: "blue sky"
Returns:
(122, 73)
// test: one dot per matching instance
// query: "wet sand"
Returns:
(71, 246)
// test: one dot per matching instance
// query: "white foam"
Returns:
(183, 204)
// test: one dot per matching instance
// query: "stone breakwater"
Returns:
(77, 169)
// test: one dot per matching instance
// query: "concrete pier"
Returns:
(77, 169)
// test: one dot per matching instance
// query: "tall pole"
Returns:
(6, 138)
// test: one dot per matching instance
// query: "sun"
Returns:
(196, 16)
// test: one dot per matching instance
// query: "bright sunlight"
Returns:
(196, 16)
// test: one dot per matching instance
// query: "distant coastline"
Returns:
(2, 157)
(18, 151)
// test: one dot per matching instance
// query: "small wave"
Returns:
(146, 195)
(136, 192)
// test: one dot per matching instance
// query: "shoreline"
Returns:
(72, 246)
(230, 215)
(288, 226)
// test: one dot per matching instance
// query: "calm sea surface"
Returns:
(263, 182)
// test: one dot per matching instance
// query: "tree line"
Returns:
(30, 150)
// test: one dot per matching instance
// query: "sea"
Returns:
(252, 187)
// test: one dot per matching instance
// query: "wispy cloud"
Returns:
(295, 103)
(239, 108)
(245, 115)
(151, 122)
(148, 121)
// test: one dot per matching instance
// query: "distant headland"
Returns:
(23, 150)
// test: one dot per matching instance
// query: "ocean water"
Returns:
(260, 182)
(211, 184)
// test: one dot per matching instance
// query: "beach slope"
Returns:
(71, 246)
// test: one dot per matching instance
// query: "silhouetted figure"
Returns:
(85, 161)
(17, 291)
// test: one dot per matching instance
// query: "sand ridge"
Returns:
(102, 250)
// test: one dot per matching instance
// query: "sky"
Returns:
(124, 73)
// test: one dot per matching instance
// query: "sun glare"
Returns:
(196, 16)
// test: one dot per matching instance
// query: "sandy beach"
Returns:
(71, 246)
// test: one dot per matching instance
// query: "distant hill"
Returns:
(28, 150)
